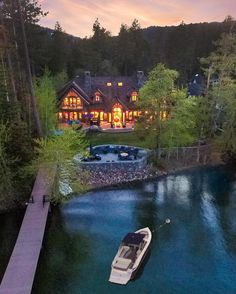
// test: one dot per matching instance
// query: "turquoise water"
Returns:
(196, 253)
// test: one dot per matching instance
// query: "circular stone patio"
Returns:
(110, 156)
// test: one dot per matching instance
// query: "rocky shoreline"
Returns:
(101, 178)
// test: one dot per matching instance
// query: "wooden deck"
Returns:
(20, 272)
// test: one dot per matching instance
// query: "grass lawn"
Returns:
(130, 138)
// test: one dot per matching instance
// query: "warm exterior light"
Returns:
(120, 84)
(163, 115)
(97, 96)
(134, 96)
(109, 84)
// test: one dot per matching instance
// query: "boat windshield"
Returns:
(133, 239)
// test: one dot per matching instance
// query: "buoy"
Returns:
(167, 221)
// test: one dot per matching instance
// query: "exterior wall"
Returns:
(74, 108)
(65, 115)
(109, 166)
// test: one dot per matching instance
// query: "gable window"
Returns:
(72, 101)
(109, 84)
(120, 84)
(97, 97)
(134, 96)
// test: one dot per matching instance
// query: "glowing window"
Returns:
(163, 115)
(109, 84)
(95, 114)
(120, 84)
(134, 96)
(65, 103)
(78, 102)
(97, 96)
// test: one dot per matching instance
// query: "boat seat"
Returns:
(122, 263)
(131, 254)
(124, 251)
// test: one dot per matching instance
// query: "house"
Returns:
(100, 99)
(197, 86)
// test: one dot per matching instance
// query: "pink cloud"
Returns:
(78, 16)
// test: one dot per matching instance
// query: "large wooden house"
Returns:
(100, 99)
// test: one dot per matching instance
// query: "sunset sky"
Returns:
(77, 16)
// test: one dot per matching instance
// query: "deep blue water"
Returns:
(196, 253)
(9, 227)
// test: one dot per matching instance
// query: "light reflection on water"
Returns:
(196, 253)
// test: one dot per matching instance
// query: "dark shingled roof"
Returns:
(133, 238)
(86, 86)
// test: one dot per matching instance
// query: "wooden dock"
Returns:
(20, 272)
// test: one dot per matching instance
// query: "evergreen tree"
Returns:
(131, 49)
(58, 50)
(219, 67)
(6, 191)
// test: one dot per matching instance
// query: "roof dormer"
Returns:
(134, 96)
(97, 97)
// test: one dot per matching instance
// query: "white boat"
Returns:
(130, 255)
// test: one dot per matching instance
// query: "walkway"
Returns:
(20, 272)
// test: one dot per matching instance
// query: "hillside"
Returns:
(179, 47)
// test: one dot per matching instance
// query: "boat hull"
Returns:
(127, 272)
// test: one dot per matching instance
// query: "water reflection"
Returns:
(196, 253)
(9, 227)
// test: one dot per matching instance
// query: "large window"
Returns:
(72, 102)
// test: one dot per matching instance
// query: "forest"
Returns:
(36, 61)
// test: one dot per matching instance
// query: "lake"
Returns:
(195, 253)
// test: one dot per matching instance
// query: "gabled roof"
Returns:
(197, 86)
(86, 86)
(72, 85)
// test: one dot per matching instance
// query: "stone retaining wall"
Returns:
(134, 164)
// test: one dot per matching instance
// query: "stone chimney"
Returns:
(140, 78)
(87, 81)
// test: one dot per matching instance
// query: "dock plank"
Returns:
(20, 271)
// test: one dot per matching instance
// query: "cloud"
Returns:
(78, 16)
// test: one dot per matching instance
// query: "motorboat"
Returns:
(130, 256)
